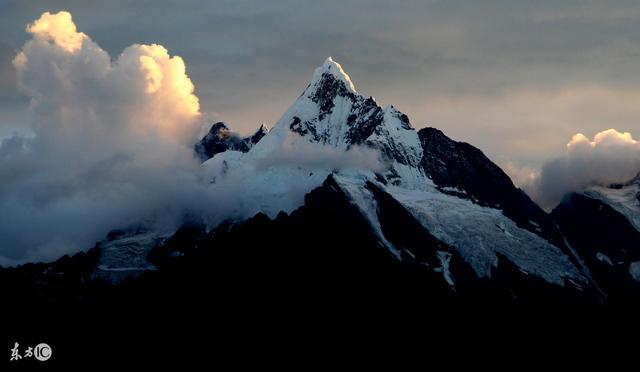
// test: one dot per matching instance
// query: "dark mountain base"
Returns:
(283, 284)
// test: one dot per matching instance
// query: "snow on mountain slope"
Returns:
(479, 233)
(624, 198)
(353, 184)
(125, 256)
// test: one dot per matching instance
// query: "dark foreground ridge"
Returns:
(319, 269)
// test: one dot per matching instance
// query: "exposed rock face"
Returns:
(220, 139)
(463, 170)
(459, 165)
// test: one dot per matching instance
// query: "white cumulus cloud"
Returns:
(609, 157)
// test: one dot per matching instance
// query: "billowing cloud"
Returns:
(277, 174)
(519, 174)
(609, 157)
(298, 152)
(59, 29)
(111, 142)
(73, 83)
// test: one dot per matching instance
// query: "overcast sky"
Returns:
(515, 78)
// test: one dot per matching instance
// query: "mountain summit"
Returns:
(333, 68)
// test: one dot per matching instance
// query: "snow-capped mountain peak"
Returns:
(331, 112)
(333, 69)
(330, 119)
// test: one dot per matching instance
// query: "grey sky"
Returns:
(515, 78)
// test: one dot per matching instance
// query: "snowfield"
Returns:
(478, 233)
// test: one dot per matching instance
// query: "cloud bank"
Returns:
(609, 157)
(111, 142)
(300, 153)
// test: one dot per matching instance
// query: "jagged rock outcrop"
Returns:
(220, 139)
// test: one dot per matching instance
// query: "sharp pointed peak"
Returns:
(329, 62)
(335, 69)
